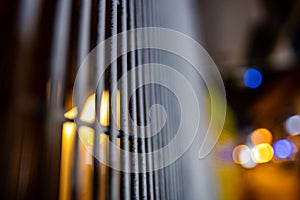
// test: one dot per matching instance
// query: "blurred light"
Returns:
(249, 164)
(103, 138)
(292, 125)
(68, 128)
(241, 154)
(283, 148)
(71, 114)
(252, 78)
(262, 153)
(88, 111)
(67, 148)
(86, 135)
(261, 135)
(104, 109)
(118, 109)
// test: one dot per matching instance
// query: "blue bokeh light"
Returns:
(283, 148)
(252, 78)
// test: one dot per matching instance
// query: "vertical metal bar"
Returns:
(146, 10)
(100, 178)
(125, 178)
(113, 176)
(140, 100)
(133, 106)
(161, 142)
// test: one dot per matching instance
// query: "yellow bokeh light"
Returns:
(71, 114)
(88, 111)
(260, 136)
(262, 153)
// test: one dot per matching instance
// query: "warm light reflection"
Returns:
(68, 135)
(118, 109)
(88, 111)
(262, 153)
(104, 109)
(86, 135)
(260, 136)
(84, 173)
(71, 114)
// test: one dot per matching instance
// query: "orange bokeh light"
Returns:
(260, 136)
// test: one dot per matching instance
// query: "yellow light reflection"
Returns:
(118, 106)
(104, 109)
(103, 137)
(71, 114)
(66, 159)
(263, 153)
(84, 174)
(88, 111)
(86, 135)
(260, 136)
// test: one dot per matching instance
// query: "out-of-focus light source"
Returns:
(241, 154)
(69, 128)
(260, 136)
(118, 109)
(104, 109)
(86, 135)
(292, 125)
(262, 153)
(68, 138)
(71, 114)
(249, 164)
(283, 148)
(252, 78)
(88, 111)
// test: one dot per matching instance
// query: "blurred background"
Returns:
(255, 44)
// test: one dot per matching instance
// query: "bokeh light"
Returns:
(262, 153)
(260, 136)
(252, 78)
(241, 154)
(283, 148)
(249, 164)
(292, 125)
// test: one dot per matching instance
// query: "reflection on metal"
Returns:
(67, 152)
